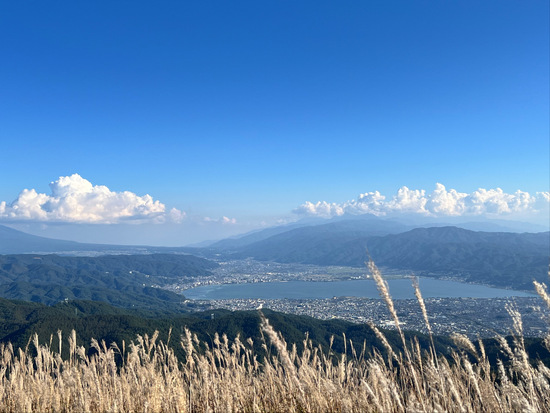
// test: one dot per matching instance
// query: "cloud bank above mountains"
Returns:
(441, 202)
(75, 199)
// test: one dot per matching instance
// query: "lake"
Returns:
(399, 289)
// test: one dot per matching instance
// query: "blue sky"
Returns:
(249, 110)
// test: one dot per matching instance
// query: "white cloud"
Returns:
(176, 215)
(223, 220)
(75, 199)
(321, 208)
(440, 202)
(408, 200)
(226, 220)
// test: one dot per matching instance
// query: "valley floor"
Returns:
(474, 317)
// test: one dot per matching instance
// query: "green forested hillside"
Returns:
(19, 320)
(121, 280)
(501, 259)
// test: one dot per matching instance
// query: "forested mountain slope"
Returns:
(121, 280)
(502, 259)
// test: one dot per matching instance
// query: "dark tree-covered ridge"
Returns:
(122, 280)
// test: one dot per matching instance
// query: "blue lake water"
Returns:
(399, 289)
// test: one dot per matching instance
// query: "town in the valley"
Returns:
(475, 317)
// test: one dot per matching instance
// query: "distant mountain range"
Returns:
(13, 241)
(503, 259)
(500, 259)
(17, 242)
(359, 225)
(372, 225)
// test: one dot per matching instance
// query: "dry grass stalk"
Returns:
(228, 377)
(542, 292)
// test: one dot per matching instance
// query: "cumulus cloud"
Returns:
(75, 199)
(440, 202)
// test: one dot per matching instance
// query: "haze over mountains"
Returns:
(17, 242)
(381, 226)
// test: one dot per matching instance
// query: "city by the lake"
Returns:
(399, 289)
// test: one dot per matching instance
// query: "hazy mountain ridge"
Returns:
(13, 241)
(331, 243)
(16, 242)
